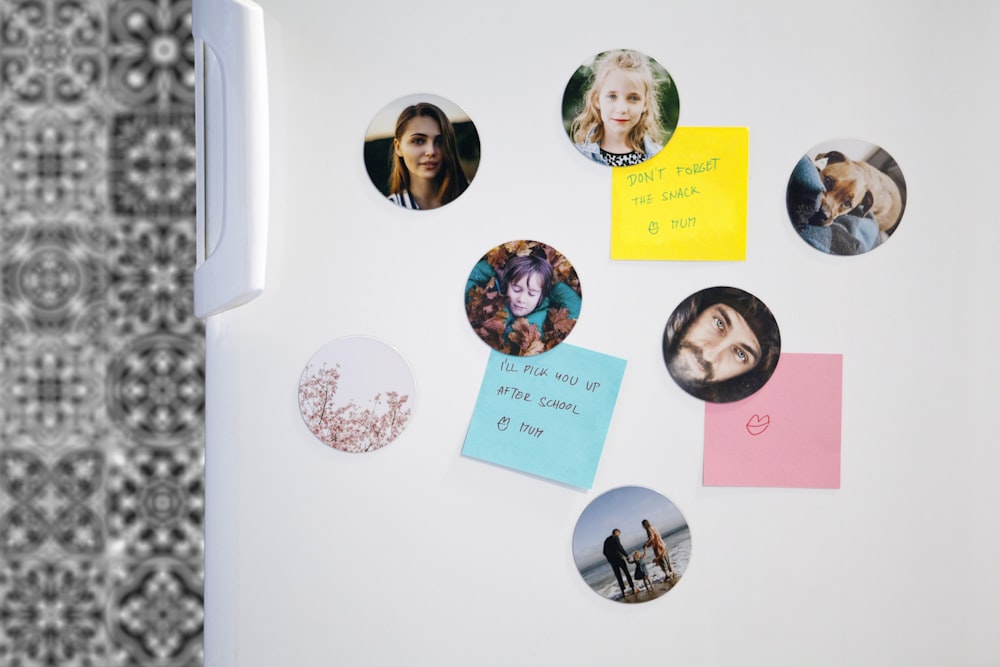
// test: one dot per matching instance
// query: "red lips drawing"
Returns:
(757, 424)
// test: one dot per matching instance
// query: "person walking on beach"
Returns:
(660, 555)
(618, 559)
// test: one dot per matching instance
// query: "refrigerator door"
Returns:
(414, 554)
(232, 158)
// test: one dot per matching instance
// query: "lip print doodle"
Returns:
(757, 424)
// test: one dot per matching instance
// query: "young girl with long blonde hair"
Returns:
(620, 121)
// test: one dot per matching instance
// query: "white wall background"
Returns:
(415, 555)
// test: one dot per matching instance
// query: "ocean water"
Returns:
(601, 577)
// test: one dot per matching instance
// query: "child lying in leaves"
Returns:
(523, 298)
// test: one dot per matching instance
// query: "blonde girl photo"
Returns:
(621, 109)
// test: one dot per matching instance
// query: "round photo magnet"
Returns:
(356, 394)
(620, 108)
(523, 298)
(846, 197)
(721, 344)
(421, 152)
(631, 544)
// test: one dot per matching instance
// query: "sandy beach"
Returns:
(642, 595)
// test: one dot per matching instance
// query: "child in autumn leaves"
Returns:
(520, 301)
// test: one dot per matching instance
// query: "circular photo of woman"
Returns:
(631, 544)
(721, 344)
(523, 298)
(620, 108)
(356, 394)
(846, 197)
(421, 152)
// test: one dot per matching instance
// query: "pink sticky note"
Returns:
(787, 434)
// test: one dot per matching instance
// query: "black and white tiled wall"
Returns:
(101, 371)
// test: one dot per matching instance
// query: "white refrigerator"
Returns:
(417, 555)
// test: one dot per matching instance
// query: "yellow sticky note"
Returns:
(687, 202)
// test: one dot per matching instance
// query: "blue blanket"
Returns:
(847, 235)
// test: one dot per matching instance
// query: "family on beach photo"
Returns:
(626, 558)
(619, 559)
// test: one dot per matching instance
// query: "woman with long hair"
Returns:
(424, 170)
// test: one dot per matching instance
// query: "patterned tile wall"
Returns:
(102, 364)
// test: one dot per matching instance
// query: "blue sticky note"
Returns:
(548, 414)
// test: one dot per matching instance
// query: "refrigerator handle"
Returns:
(232, 134)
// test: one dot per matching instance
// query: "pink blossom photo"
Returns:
(356, 394)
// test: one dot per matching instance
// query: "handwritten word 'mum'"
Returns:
(531, 430)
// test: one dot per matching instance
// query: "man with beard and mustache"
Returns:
(721, 344)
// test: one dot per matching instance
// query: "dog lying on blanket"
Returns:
(851, 185)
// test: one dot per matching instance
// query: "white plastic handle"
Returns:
(232, 134)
